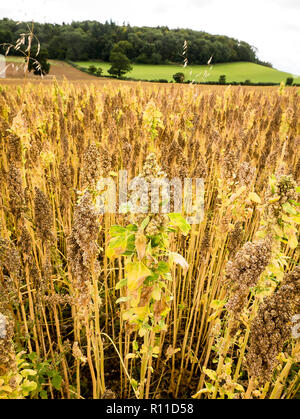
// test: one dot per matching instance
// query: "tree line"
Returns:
(91, 40)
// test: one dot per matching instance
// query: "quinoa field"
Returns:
(101, 301)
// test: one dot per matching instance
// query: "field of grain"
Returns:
(234, 72)
(115, 305)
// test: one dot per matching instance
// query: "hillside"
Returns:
(235, 72)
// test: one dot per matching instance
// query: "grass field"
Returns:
(238, 72)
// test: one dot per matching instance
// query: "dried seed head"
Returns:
(10, 258)
(77, 353)
(14, 148)
(229, 164)
(7, 354)
(43, 216)
(272, 327)
(82, 247)
(3, 331)
(65, 184)
(109, 394)
(246, 174)
(16, 192)
(285, 190)
(200, 170)
(235, 238)
(244, 272)
(91, 170)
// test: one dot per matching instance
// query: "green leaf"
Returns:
(297, 204)
(32, 356)
(121, 284)
(136, 273)
(132, 227)
(29, 386)
(216, 304)
(116, 230)
(152, 278)
(50, 373)
(156, 240)
(122, 300)
(272, 183)
(209, 387)
(163, 267)
(210, 373)
(43, 394)
(134, 383)
(56, 381)
(130, 245)
(28, 372)
(179, 221)
(289, 209)
(116, 246)
(144, 223)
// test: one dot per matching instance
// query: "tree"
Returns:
(124, 47)
(39, 63)
(99, 71)
(178, 77)
(142, 59)
(120, 64)
(92, 69)
(222, 79)
(155, 58)
(289, 81)
(91, 40)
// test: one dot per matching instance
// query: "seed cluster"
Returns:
(272, 327)
(244, 272)
(82, 248)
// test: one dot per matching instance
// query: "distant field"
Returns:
(234, 72)
(238, 72)
(58, 69)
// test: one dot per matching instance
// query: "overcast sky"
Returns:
(273, 26)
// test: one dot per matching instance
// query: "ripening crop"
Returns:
(121, 305)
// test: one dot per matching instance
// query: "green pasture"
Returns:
(235, 72)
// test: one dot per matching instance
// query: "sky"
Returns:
(272, 26)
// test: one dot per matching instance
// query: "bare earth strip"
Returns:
(59, 70)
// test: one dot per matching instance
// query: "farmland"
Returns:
(109, 305)
(235, 72)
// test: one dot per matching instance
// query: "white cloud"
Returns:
(270, 25)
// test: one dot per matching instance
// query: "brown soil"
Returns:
(59, 70)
